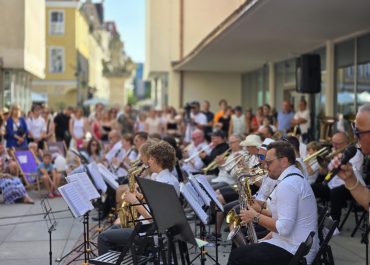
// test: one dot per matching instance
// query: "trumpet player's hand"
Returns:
(219, 160)
(130, 197)
(346, 171)
(247, 215)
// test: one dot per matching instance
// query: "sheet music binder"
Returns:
(205, 197)
(97, 177)
(210, 191)
(202, 215)
(86, 185)
(77, 203)
(194, 193)
(108, 176)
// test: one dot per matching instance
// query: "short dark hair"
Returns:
(142, 135)
(283, 149)
(164, 154)
(269, 129)
(294, 142)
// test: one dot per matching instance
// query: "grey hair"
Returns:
(238, 136)
(365, 108)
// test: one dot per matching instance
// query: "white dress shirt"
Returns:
(356, 162)
(224, 175)
(267, 186)
(36, 126)
(304, 115)
(196, 164)
(200, 119)
(166, 177)
(293, 206)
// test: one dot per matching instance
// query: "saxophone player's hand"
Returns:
(130, 197)
(247, 215)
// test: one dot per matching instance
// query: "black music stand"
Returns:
(168, 215)
(50, 222)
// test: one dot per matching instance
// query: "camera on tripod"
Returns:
(187, 109)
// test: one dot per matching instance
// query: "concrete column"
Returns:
(329, 90)
(272, 89)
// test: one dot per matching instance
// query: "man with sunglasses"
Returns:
(293, 213)
(351, 179)
(335, 191)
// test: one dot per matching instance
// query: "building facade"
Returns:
(246, 52)
(22, 50)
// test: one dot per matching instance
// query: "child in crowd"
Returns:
(49, 175)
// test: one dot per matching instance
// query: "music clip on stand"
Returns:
(50, 222)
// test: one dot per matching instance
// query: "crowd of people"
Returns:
(175, 145)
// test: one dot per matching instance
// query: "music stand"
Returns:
(51, 223)
(161, 197)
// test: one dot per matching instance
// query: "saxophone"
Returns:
(126, 215)
(232, 218)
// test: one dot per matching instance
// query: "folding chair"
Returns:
(27, 163)
(58, 147)
(302, 251)
(322, 213)
(325, 254)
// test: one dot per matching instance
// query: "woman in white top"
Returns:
(78, 129)
(152, 123)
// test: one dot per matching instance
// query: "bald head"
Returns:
(114, 136)
(340, 140)
(197, 137)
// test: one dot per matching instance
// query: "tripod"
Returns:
(85, 245)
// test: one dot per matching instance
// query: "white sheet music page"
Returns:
(108, 176)
(87, 185)
(202, 215)
(75, 201)
(97, 177)
(205, 184)
(194, 193)
(200, 191)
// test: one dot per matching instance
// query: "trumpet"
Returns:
(197, 153)
(323, 151)
(325, 160)
(213, 165)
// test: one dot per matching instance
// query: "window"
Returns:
(56, 23)
(56, 60)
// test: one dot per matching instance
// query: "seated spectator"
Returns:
(94, 151)
(49, 175)
(11, 186)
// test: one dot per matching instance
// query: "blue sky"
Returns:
(129, 16)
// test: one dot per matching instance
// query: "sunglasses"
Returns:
(357, 132)
(261, 157)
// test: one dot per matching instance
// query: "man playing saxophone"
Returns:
(293, 213)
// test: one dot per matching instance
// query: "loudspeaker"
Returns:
(308, 74)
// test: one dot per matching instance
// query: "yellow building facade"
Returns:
(67, 54)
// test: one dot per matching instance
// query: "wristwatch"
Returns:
(256, 219)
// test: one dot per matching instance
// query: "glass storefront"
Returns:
(16, 85)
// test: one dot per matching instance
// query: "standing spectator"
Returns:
(16, 129)
(61, 122)
(172, 126)
(210, 116)
(106, 124)
(96, 128)
(237, 124)
(251, 122)
(99, 107)
(222, 104)
(2, 127)
(224, 122)
(140, 123)
(78, 129)
(152, 123)
(49, 123)
(127, 120)
(302, 119)
(36, 127)
(259, 116)
(285, 117)
(197, 121)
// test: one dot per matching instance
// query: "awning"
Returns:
(265, 31)
(94, 101)
(39, 97)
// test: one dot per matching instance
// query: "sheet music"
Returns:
(108, 176)
(87, 185)
(206, 199)
(205, 184)
(202, 215)
(113, 152)
(75, 201)
(194, 193)
(97, 177)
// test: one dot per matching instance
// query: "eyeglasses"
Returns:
(357, 132)
(261, 157)
(269, 162)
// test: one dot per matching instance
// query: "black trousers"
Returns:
(259, 254)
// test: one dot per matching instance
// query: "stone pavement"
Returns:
(24, 240)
